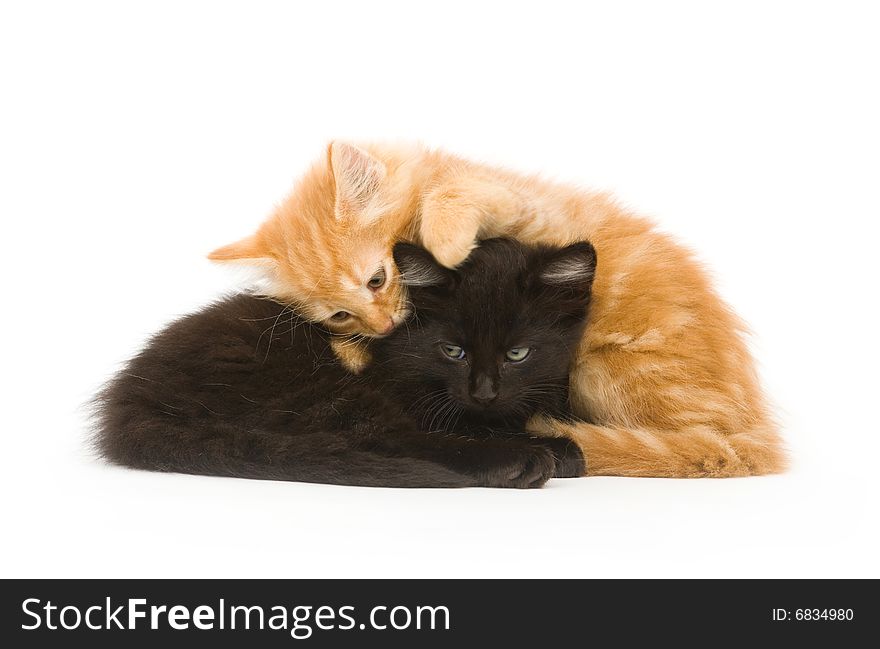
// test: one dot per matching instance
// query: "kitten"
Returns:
(248, 388)
(326, 249)
(663, 383)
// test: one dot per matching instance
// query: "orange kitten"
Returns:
(326, 250)
(663, 382)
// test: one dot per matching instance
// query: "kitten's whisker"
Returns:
(439, 411)
(432, 409)
(287, 308)
(429, 395)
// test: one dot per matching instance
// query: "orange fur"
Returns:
(662, 375)
(321, 246)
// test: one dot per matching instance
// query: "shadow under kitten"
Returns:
(246, 388)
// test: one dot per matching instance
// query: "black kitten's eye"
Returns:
(340, 316)
(452, 351)
(377, 281)
(518, 354)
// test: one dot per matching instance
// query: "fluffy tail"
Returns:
(696, 452)
(350, 449)
(217, 449)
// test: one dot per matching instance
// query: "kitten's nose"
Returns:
(483, 391)
(387, 327)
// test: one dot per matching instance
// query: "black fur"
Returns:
(246, 388)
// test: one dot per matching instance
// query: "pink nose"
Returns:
(388, 327)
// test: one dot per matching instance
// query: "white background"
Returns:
(136, 137)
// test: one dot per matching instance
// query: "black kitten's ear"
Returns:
(418, 267)
(572, 267)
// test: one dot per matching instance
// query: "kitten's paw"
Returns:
(543, 426)
(353, 355)
(570, 462)
(448, 239)
(720, 465)
(451, 253)
(522, 468)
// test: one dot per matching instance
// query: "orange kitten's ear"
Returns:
(358, 177)
(252, 262)
(250, 249)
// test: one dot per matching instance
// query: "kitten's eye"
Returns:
(340, 316)
(453, 351)
(377, 281)
(518, 354)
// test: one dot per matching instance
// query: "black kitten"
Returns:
(246, 388)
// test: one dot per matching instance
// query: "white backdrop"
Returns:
(136, 137)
